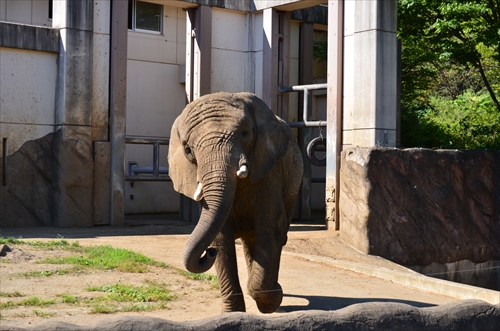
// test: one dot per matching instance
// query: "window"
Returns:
(144, 16)
(51, 6)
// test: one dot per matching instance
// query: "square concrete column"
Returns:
(362, 84)
(73, 143)
(370, 73)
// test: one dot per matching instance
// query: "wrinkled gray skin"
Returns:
(250, 169)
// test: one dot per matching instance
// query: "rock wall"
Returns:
(39, 174)
(463, 315)
(417, 206)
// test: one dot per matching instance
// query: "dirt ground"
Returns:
(195, 299)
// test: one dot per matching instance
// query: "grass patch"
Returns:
(129, 298)
(103, 309)
(43, 314)
(48, 273)
(201, 277)
(15, 294)
(29, 302)
(130, 293)
(47, 245)
(68, 298)
(109, 258)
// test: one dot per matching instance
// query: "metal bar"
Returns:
(5, 152)
(146, 141)
(149, 170)
(312, 124)
(304, 88)
(295, 88)
(147, 179)
(156, 159)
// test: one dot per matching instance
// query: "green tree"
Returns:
(450, 62)
(459, 31)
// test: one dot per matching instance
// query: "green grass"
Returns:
(43, 314)
(48, 273)
(68, 298)
(15, 294)
(128, 298)
(47, 245)
(29, 302)
(200, 277)
(116, 297)
(102, 257)
(109, 258)
(130, 293)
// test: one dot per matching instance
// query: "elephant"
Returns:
(243, 164)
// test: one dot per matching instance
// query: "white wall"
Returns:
(230, 65)
(155, 97)
(27, 95)
(32, 12)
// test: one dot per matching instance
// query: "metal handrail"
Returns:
(135, 172)
(305, 88)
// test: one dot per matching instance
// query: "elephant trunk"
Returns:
(218, 194)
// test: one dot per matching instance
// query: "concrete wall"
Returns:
(155, 97)
(32, 12)
(27, 95)
(236, 56)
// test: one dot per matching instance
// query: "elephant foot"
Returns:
(233, 302)
(268, 300)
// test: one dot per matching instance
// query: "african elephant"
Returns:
(242, 163)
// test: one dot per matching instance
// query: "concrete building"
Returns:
(89, 88)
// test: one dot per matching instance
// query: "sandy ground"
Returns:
(307, 284)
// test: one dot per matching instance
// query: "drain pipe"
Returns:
(334, 105)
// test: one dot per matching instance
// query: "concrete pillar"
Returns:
(334, 111)
(198, 78)
(118, 107)
(366, 114)
(370, 73)
(270, 58)
(198, 52)
(72, 204)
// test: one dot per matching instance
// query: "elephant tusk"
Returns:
(198, 194)
(242, 172)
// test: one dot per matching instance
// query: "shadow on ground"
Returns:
(335, 303)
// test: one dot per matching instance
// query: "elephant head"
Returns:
(217, 141)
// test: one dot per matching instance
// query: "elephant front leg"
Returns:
(263, 259)
(227, 272)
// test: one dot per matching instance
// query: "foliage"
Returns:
(450, 73)
(320, 50)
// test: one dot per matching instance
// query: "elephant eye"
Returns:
(244, 133)
(189, 153)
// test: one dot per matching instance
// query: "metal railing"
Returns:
(149, 173)
(305, 113)
(317, 144)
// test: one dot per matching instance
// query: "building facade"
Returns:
(81, 80)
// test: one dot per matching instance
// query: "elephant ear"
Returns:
(272, 139)
(181, 171)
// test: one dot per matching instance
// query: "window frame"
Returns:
(133, 18)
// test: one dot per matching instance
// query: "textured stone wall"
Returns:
(462, 315)
(417, 207)
(32, 196)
